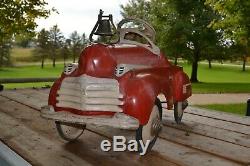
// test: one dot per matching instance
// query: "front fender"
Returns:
(141, 89)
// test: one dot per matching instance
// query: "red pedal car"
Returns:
(118, 84)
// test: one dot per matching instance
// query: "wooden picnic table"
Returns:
(204, 137)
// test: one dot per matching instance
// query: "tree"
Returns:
(182, 26)
(65, 50)
(76, 45)
(24, 39)
(235, 23)
(43, 45)
(56, 39)
(5, 52)
(18, 16)
(137, 8)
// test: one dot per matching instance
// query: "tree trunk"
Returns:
(194, 77)
(42, 62)
(54, 58)
(175, 60)
(1, 59)
(54, 61)
(209, 63)
(64, 59)
(244, 63)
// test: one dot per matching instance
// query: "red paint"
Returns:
(140, 87)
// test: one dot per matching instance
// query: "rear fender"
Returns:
(181, 86)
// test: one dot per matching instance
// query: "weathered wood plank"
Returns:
(38, 130)
(234, 127)
(219, 115)
(216, 115)
(229, 136)
(190, 154)
(214, 146)
(42, 94)
(176, 152)
(24, 99)
(39, 150)
(209, 131)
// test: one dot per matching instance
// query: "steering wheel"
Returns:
(144, 30)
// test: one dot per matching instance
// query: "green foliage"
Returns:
(77, 43)
(138, 9)
(182, 27)
(5, 53)
(43, 45)
(56, 39)
(65, 50)
(19, 16)
(234, 22)
(24, 40)
(52, 44)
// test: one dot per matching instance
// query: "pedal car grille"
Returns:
(90, 93)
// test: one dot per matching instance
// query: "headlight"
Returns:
(119, 70)
(124, 68)
(70, 68)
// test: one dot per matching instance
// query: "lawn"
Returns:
(219, 79)
(31, 71)
(230, 108)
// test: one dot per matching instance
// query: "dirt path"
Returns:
(199, 99)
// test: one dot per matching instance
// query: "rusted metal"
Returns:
(119, 120)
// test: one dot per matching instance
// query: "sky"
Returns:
(79, 15)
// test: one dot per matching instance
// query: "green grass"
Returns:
(221, 87)
(219, 79)
(230, 108)
(28, 85)
(220, 74)
(31, 71)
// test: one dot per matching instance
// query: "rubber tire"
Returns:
(140, 129)
(63, 135)
(177, 118)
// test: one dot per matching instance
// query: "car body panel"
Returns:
(139, 86)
